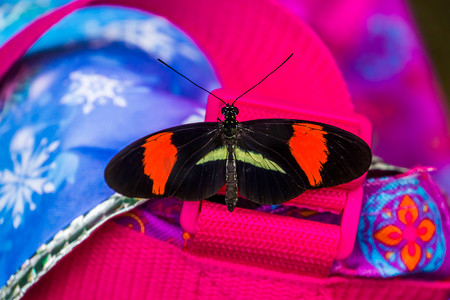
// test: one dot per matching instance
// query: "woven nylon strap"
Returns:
(265, 240)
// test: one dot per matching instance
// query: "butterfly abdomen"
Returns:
(231, 194)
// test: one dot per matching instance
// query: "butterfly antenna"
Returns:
(191, 81)
(263, 79)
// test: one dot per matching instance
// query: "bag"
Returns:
(293, 261)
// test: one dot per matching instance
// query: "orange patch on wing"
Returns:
(160, 156)
(309, 148)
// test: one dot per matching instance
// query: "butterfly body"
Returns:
(267, 161)
(230, 130)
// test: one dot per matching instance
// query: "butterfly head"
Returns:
(230, 111)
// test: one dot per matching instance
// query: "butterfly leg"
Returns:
(231, 196)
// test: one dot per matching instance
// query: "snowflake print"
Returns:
(30, 165)
(91, 89)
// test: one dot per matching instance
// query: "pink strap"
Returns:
(119, 263)
(265, 240)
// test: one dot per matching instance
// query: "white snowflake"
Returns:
(90, 89)
(152, 35)
(17, 186)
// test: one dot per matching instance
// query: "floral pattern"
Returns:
(408, 232)
(28, 175)
(401, 229)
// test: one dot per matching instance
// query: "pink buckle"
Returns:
(345, 199)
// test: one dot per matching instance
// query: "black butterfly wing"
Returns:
(165, 163)
(278, 159)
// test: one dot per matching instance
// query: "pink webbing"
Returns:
(119, 263)
(326, 199)
(265, 240)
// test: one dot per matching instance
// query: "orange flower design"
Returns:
(391, 235)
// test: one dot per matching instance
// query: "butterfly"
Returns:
(267, 161)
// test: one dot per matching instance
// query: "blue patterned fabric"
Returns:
(401, 230)
(87, 89)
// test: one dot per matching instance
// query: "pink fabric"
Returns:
(119, 263)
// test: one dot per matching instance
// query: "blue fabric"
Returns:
(88, 88)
